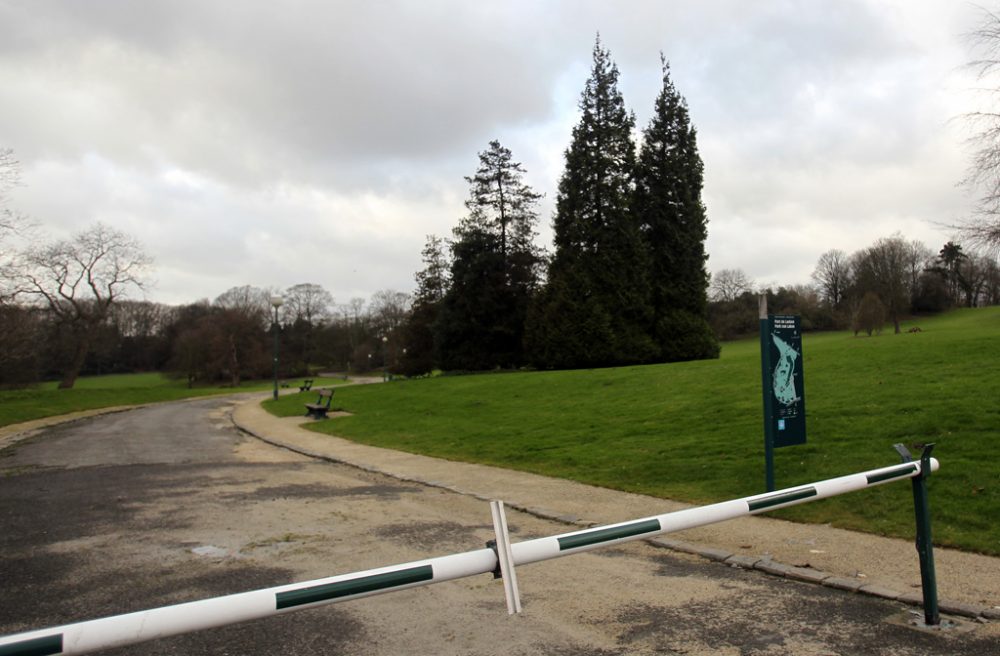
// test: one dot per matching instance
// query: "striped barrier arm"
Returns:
(539, 549)
(120, 630)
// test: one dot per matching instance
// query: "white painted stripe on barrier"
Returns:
(141, 626)
(119, 630)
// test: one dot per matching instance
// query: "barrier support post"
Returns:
(925, 546)
(765, 373)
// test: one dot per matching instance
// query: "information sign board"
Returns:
(786, 409)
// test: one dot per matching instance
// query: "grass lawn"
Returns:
(693, 431)
(92, 392)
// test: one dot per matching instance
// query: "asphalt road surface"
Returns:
(170, 503)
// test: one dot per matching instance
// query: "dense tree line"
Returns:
(232, 338)
(626, 283)
(864, 291)
(220, 342)
(224, 341)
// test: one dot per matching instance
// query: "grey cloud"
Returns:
(359, 119)
(260, 92)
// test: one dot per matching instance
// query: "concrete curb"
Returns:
(765, 565)
(814, 576)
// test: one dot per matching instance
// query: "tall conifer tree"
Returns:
(419, 356)
(595, 310)
(494, 271)
(502, 204)
(672, 219)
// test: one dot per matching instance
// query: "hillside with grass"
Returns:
(693, 431)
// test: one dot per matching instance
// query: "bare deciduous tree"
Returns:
(10, 175)
(79, 279)
(307, 305)
(973, 275)
(870, 316)
(983, 229)
(247, 300)
(308, 302)
(389, 309)
(833, 276)
(354, 311)
(139, 318)
(730, 284)
(11, 222)
(236, 339)
(918, 258)
(991, 286)
(884, 268)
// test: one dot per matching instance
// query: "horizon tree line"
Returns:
(626, 283)
(885, 282)
(70, 316)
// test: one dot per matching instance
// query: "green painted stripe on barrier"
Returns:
(350, 587)
(608, 534)
(34, 647)
(889, 475)
(778, 499)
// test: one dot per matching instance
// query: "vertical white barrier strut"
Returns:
(120, 630)
(505, 558)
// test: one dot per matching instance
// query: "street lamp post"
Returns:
(385, 357)
(276, 302)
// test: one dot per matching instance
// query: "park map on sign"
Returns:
(783, 381)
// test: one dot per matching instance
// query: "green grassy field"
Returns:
(693, 431)
(106, 391)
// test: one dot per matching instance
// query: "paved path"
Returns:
(968, 584)
(170, 503)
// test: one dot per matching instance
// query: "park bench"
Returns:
(319, 409)
(306, 385)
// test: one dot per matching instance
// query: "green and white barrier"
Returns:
(120, 630)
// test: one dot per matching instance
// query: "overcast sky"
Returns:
(275, 143)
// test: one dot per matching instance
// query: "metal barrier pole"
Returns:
(119, 630)
(765, 373)
(925, 547)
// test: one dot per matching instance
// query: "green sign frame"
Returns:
(787, 381)
(783, 385)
